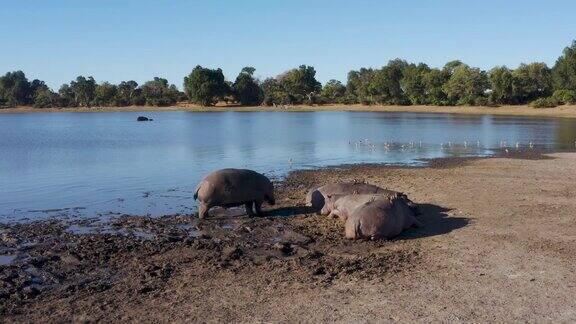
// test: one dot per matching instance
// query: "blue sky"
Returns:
(116, 40)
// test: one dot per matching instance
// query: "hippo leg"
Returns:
(258, 207)
(203, 210)
(249, 210)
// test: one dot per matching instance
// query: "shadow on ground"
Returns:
(436, 222)
(291, 211)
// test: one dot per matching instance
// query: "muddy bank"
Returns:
(498, 244)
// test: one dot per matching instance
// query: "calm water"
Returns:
(91, 164)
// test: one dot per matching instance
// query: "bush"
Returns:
(565, 96)
(548, 102)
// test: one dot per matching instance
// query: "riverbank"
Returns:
(567, 111)
(498, 245)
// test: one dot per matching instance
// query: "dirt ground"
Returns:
(499, 244)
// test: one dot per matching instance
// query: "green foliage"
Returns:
(66, 96)
(413, 83)
(548, 102)
(246, 89)
(83, 90)
(273, 92)
(105, 94)
(46, 98)
(295, 86)
(396, 83)
(299, 85)
(531, 81)
(333, 91)
(565, 96)
(205, 86)
(159, 93)
(15, 89)
(359, 85)
(466, 85)
(502, 85)
(564, 71)
(433, 85)
(129, 94)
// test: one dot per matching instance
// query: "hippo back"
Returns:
(385, 217)
(316, 198)
(234, 186)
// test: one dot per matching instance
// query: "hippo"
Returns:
(342, 206)
(381, 218)
(316, 198)
(143, 118)
(234, 187)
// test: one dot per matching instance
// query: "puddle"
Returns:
(192, 231)
(6, 259)
(143, 235)
(81, 230)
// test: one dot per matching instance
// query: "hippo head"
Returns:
(329, 204)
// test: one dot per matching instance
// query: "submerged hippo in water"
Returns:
(342, 206)
(382, 218)
(316, 198)
(234, 187)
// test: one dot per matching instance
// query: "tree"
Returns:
(466, 86)
(273, 93)
(46, 98)
(359, 87)
(84, 90)
(434, 87)
(532, 81)
(333, 91)
(205, 86)
(502, 85)
(128, 94)
(105, 94)
(413, 83)
(67, 97)
(159, 93)
(246, 89)
(564, 71)
(300, 84)
(15, 89)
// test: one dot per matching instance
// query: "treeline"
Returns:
(397, 83)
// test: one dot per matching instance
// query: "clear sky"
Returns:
(116, 40)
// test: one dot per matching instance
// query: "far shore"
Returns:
(567, 111)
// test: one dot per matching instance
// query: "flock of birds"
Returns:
(373, 146)
(366, 143)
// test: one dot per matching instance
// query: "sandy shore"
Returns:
(498, 245)
(561, 111)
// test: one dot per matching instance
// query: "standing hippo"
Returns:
(317, 197)
(382, 218)
(342, 206)
(234, 187)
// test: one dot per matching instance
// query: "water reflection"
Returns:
(90, 164)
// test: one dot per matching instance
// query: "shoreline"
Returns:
(488, 224)
(566, 111)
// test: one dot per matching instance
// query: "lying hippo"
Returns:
(234, 187)
(342, 206)
(382, 218)
(317, 197)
